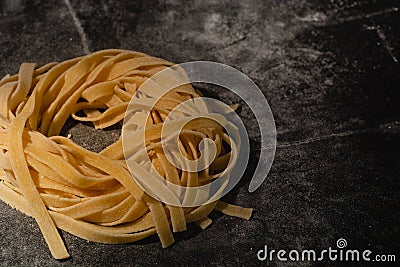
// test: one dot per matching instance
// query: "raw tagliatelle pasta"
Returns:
(93, 195)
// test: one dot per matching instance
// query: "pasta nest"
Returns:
(92, 195)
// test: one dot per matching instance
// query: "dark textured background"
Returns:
(330, 71)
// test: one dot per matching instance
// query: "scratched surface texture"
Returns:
(330, 71)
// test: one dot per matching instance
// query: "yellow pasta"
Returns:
(93, 195)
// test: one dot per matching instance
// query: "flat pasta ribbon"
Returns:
(93, 195)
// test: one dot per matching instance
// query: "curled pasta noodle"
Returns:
(92, 195)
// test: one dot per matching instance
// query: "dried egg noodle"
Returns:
(92, 195)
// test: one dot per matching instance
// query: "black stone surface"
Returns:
(330, 71)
